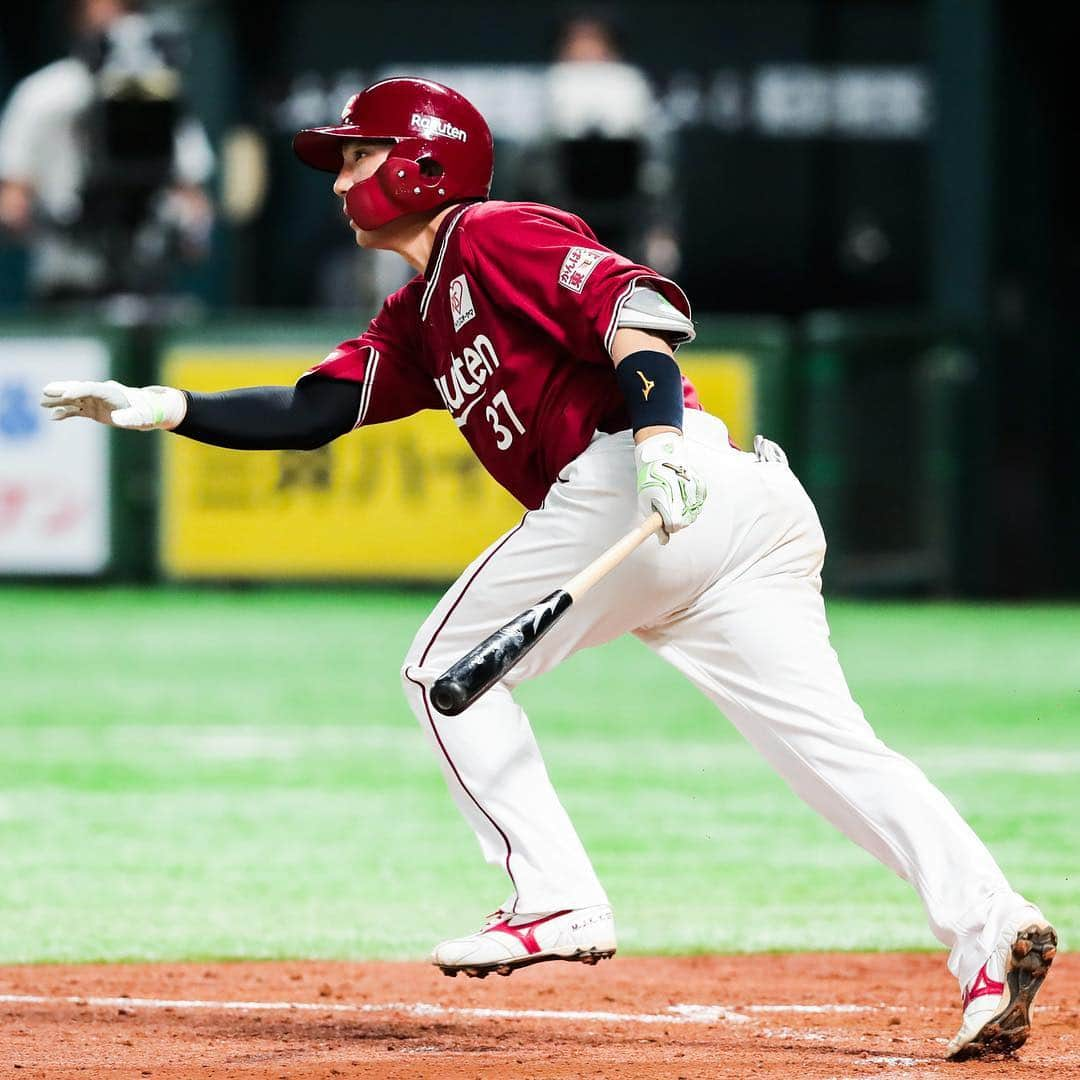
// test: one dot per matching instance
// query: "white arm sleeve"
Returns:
(648, 310)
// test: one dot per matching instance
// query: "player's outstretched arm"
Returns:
(301, 417)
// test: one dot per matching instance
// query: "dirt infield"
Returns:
(812, 1015)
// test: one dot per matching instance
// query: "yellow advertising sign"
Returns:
(404, 501)
(727, 387)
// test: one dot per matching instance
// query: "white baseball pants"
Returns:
(734, 603)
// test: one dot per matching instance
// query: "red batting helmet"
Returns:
(442, 149)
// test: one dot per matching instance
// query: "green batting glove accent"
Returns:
(693, 495)
(667, 483)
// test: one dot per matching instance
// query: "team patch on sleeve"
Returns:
(578, 265)
(461, 304)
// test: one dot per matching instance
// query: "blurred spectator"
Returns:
(100, 172)
(606, 156)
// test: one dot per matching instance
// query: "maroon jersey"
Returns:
(510, 329)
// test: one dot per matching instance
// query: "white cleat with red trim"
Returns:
(998, 1001)
(507, 942)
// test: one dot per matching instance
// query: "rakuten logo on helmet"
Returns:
(430, 126)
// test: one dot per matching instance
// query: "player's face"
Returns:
(359, 160)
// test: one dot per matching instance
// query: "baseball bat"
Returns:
(480, 668)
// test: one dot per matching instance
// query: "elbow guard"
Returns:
(648, 310)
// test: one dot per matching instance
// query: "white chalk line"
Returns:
(678, 1014)
(819, 1008)
(674, 1014)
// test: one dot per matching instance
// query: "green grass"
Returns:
(199, 774)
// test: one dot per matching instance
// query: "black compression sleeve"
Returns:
(652, 385)
(301, 417)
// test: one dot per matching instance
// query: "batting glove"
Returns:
(134, 408)
(667, 483)
(767, 450)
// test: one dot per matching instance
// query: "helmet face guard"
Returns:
(442, 150)
(409, 181)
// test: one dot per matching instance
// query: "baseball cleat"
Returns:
(507, 942)
(998, 1001)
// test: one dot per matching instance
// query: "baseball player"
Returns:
(554, 356)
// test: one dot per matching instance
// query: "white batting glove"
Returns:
(767, 450)
(667, 483)
(134, 408)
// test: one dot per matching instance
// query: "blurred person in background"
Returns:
(101, 173)
(606, 157)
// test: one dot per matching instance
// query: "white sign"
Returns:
(54, 476)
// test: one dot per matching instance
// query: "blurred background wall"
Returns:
(886, 183)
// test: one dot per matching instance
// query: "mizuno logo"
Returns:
(648, 384)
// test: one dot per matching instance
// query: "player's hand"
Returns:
(767, 450)
(667, 483)
(135, 408)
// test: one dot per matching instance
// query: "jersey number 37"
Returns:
(497, 412)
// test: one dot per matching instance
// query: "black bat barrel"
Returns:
(479, 669)
(449, 695)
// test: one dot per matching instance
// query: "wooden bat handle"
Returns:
(603, 564)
